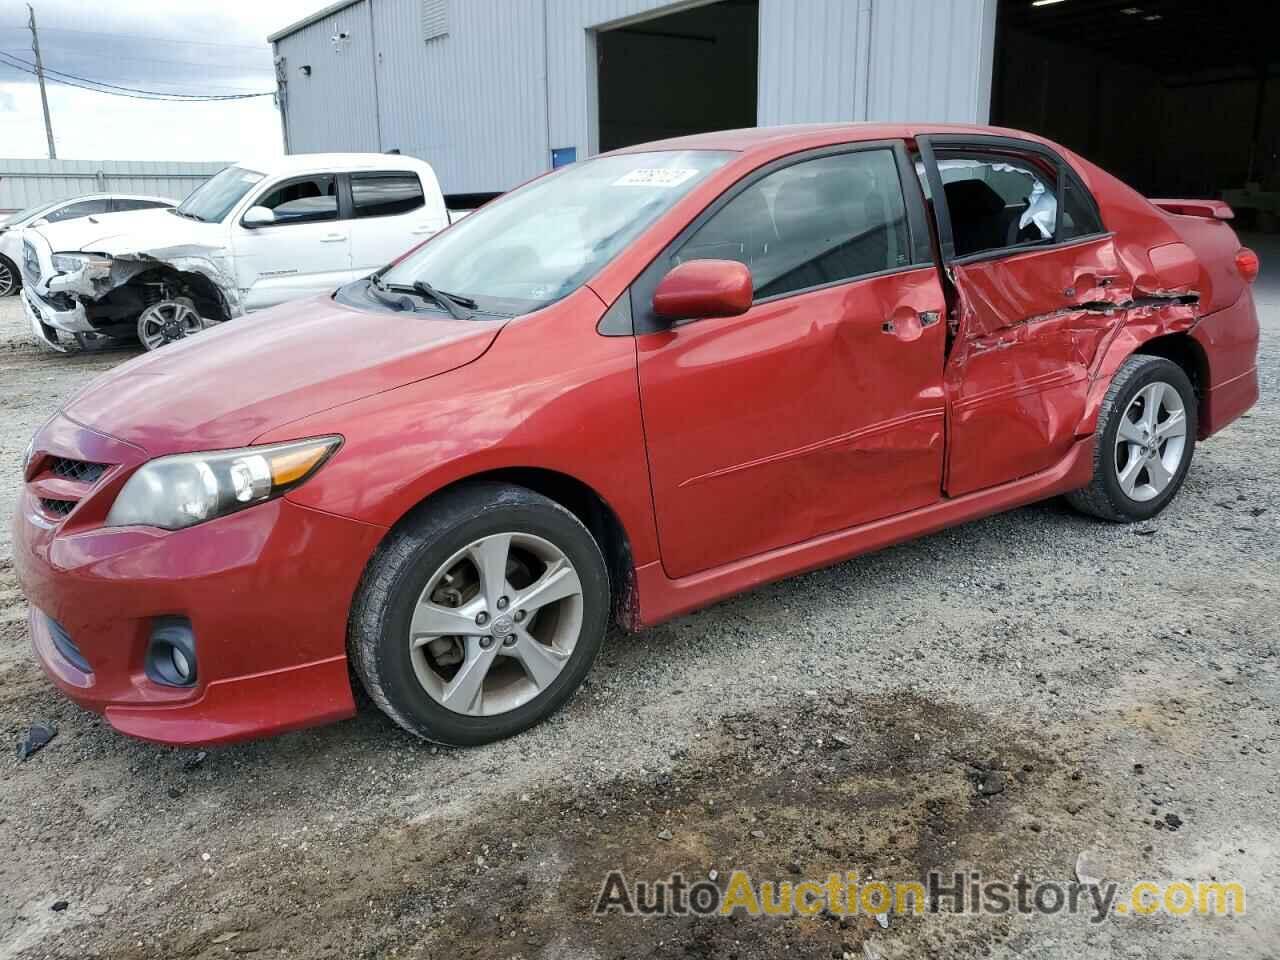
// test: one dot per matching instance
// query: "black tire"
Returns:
(10, 277)
(399, 571)
(1104, 496)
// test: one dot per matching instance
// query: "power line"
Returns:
(236, 68)
(16, 55)
(100, 86)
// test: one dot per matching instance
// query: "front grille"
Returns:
(82, 471)
(57, 508)
(66, 646)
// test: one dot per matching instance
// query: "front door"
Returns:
(1035, 276)
(305, 250)
(821, 408)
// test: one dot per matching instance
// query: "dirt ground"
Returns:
(998, 697)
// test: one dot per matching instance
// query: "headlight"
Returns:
(27, 454)
(180, 491)
(94, 265)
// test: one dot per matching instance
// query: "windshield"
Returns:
(213, 199)
(541, 242)
(29, 213)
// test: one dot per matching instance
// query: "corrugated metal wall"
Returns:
(24, 183)
(469, 104)
(333, 109)
(514, 79)
(932, 60)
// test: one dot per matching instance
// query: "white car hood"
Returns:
(134, 231)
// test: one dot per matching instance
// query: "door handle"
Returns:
(422, 231)
(927, 319)
(333, 238)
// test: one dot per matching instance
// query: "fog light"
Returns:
(171, 655)
(180, 663)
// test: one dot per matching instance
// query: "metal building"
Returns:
(492, 92)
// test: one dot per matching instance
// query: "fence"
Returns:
(24, 183)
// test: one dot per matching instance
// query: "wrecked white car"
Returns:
(255, 235)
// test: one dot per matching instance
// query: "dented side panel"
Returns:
(1029, 327)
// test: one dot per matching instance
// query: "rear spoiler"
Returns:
(1210, 209)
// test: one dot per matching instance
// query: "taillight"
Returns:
(1247, 264)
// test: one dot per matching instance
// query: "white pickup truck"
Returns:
(255, 235)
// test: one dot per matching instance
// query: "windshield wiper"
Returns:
(451, 302)
(380, 293)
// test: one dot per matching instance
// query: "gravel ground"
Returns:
(999, 697)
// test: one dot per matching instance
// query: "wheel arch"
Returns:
(585, 503)
(1180, 348)
(210, 299)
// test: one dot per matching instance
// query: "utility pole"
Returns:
(44, 99)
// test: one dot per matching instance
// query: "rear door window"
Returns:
(121, 204)
(385, 194)
(814, 223)
(81, 208)
(998, 201)
(1079, 212)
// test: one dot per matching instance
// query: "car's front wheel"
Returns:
(479, 615)
(9, 282)
(1145, 438)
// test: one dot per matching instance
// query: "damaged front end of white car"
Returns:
(109, 290)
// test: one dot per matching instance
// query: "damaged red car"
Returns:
(625, 390)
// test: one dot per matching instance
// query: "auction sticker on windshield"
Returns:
(655, 177)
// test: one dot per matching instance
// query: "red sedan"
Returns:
(625, 390)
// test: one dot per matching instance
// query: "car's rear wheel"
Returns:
(480, 615)
(9, 281)
(1145, 439)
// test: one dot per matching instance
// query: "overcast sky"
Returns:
(183, 47)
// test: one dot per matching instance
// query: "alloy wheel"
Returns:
(1151, 441)
(167, 321)
(8, 281)
(496, 624)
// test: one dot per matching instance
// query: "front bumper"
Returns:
(49, 321)
(267, 592)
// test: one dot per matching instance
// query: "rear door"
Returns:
(390, 213)
(306, 250)
(820, 408)
(1035, 273)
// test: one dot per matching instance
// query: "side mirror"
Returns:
(258, 217)
(704, 288)
(42, 222)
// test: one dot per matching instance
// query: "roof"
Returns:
(751, 138)
(307, 162)
(308, 20)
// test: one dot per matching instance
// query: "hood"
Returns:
(225, 387)
(129, 232)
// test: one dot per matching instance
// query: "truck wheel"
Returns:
(168, 321)
(1145, 439)
(480, 615)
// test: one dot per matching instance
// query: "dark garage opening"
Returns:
(682, 73)
(1179, 98)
